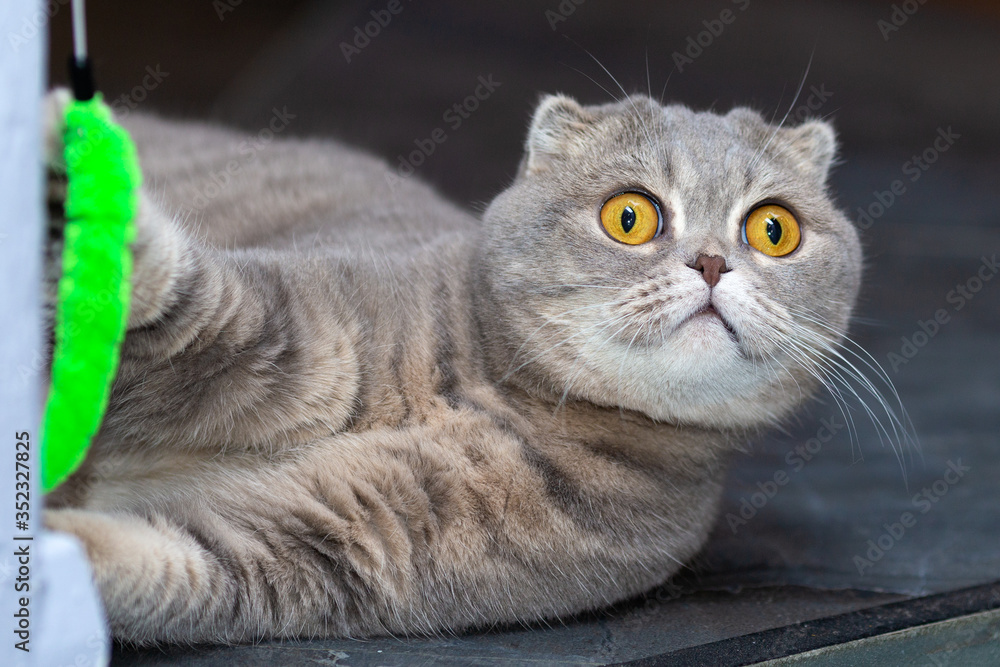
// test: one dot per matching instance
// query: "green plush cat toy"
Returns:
(93, 296)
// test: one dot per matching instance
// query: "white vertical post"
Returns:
(47, 601)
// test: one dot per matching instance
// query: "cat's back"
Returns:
(265, 189)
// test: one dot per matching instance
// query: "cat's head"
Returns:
(687, 265)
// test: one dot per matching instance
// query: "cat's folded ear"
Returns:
(814, 146)
(558, 128)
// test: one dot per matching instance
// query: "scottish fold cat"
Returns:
(347, 407)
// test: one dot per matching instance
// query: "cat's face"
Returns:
(648, 326)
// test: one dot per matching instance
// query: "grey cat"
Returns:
(348, 408)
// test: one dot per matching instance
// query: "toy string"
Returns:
(81, 74)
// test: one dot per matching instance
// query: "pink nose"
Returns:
(711, 267)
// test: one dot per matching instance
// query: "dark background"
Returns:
(888, 94)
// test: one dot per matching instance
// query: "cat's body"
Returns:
(347, 408)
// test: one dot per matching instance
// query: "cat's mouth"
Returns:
(710, 311)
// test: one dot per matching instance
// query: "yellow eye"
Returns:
(772, 229)
(631, 218)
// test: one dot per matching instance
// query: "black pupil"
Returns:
(628, 219)
(773, 230)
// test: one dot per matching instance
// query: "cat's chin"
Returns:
(699, 375)
(706, 331)
(727, 400)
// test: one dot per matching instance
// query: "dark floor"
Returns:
(805, 552)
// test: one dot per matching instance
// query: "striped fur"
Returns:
(347, 408)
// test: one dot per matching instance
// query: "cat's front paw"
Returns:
(54, 125)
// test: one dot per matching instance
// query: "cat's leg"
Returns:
(229, 350)
(440, 528)
(224, 350)
(150, 574)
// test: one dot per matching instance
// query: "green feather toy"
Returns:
(93, 296)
